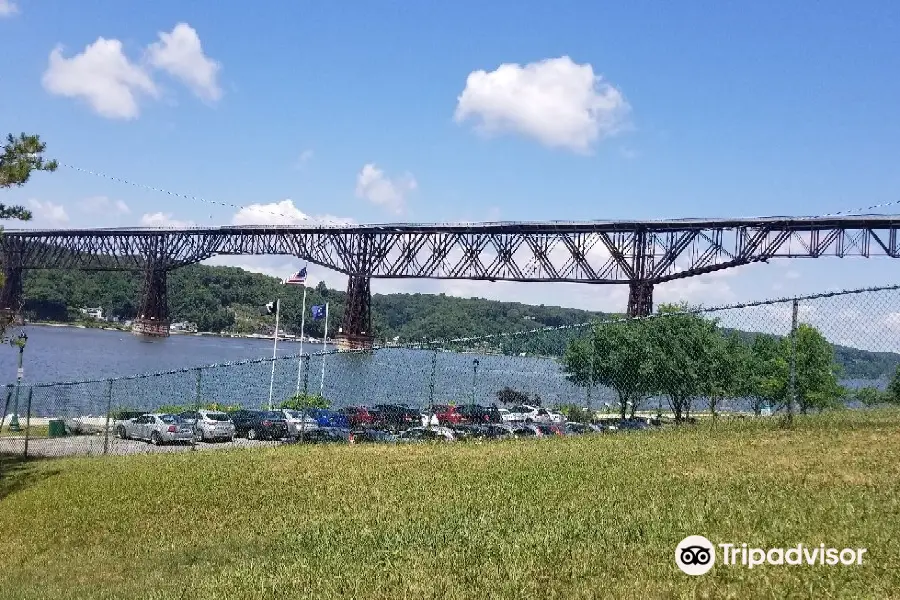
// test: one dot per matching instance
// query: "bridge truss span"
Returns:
(639, 253)
(586, 252)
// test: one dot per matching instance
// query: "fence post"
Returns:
(792, 391)
(6, 405)
(197, 408)
(304, 357)
(108, 411)
(28, 419)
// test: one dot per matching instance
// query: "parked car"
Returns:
(396, 416)
(212, 425)
(259, 424)
(370, 435)
(427, 434)
(358, 416)
(525, 413)
(549, 429)
(577, 428)
(328, 418)
(297, 423)
(447, 414)
(465, 431)
(328, 435)
(529, 430)
(499, 431)
(430, 419)
(477, 414)
(156, 428)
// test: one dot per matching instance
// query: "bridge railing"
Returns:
(784, 357)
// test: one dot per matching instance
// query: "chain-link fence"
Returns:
(771, 358)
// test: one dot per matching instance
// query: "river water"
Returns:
(391, 375)
(417, 377)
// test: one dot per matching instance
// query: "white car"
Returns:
(297, 422)
(525, 413)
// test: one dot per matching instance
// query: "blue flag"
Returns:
(318, 312)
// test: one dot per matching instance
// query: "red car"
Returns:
(446, 414)
(359, 416)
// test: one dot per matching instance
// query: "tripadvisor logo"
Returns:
(696, 555)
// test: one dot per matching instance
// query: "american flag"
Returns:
(298, 278)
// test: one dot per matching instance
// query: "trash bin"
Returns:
(56, 428)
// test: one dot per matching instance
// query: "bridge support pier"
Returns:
(640, 299)
(153, 312)
(356, 326)
(12, 298)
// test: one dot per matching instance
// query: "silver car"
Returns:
(213, 425)
(297, 422)
(157, 428)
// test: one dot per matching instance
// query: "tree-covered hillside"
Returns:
(229, 299)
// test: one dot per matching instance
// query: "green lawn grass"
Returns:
(588, 517)
(33, 431)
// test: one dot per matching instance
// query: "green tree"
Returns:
(768, 373)
(681, 345)
(870, 396)
(510, 396)
(20, 157)
(304, 402)
(892, 393)
(728, 369)
(816, 372)
(616, 356)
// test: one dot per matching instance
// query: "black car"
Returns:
(259, 424)
(396, 417)
(477, 414)
(327, 435)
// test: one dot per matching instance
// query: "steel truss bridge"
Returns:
(639, 253)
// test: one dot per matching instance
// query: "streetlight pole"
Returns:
(474, 375)
(20, 343)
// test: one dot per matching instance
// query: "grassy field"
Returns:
(34, 431)
(590, 517)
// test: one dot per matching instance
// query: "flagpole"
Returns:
(302, 325)
(274, 351)
(324, 349)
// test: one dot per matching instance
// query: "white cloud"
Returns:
(283, 213)
(160, 219)
(8, 8)
(180, 54)
(274, 213)
(102, 76)
(374, 186)
(48, 213)
(556, 101)
(103, 205)
(305, 157)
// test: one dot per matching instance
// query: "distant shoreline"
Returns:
(248, 336)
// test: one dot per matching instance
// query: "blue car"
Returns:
(329, 418)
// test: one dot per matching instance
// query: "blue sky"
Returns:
(703, 109)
